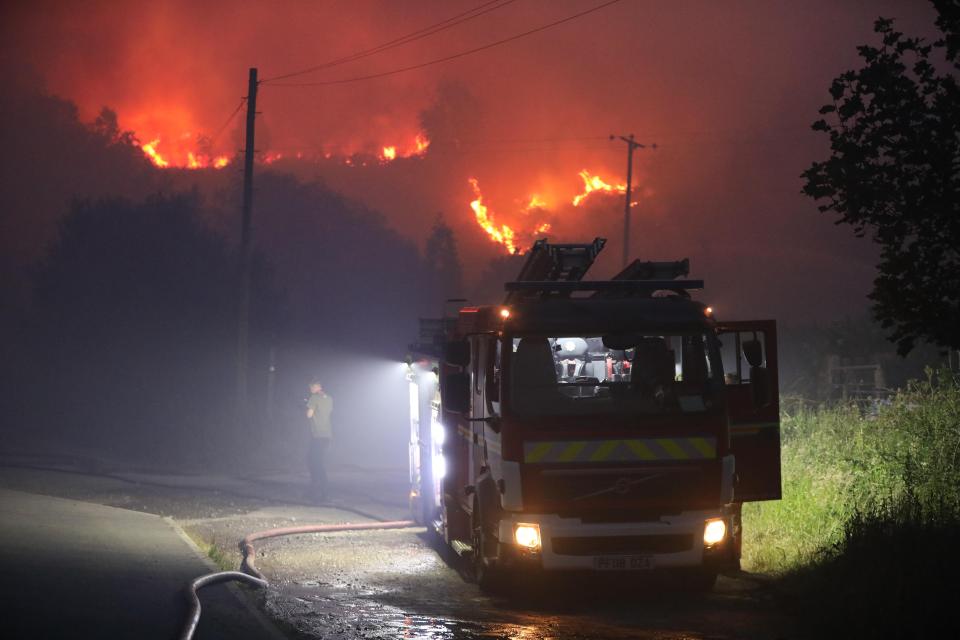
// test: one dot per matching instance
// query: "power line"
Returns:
(450, 57)
(226, 124)
(402, 40)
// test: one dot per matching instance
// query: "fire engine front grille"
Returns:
(602, 545)
(584, 490)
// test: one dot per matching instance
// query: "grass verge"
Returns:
(224, 561)
(865, 540)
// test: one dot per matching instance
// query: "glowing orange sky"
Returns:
(726, 90)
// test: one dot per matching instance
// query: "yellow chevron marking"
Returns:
(704, 447)
(572, 451)
(538, 452)
(604, 450)
(672, 448)
(641, 450)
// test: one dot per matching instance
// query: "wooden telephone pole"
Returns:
(243, 320)
(631, 147)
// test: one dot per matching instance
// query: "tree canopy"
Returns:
(443, 262)
(893, 174)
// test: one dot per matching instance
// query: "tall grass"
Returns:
(868, 529)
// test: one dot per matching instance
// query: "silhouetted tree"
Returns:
(135, 325)
(489, 287)
(443, 262)
(107, 127)
(453, 116)
(350, 278)
(894, 174)
(51, 157)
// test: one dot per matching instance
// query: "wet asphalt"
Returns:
(398, 584)
(75, 569)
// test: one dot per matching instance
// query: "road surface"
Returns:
(75, 569)
(371, 585)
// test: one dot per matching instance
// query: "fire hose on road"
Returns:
(251, 575)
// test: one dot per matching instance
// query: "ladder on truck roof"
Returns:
(557, 270)
(643, 278)
(554, 263)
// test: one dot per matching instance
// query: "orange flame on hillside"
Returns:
(592, 183)
(270, 158)
(536, 202)
(422, 143)
(189, 151)
(150, 150)
(505, 234)
(190, 160)
(502, 234)
(391, 152)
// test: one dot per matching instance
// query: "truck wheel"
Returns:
(489, 578)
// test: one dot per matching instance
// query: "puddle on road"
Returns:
(341, 613)
(395, 586)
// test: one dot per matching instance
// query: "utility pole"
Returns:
(243, 324)
(631, 147)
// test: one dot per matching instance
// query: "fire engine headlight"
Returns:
(714, 532)
(527, 536)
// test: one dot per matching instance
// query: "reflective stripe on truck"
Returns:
(693, 448)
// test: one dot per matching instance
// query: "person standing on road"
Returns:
(319, 410)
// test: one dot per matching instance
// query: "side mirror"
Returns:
(457, 353)
(761, 384)
(753, 352)
(455, 393)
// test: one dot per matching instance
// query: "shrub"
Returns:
(866, 533)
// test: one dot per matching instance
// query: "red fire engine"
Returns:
(597, 426)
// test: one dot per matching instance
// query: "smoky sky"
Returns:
(727, 91)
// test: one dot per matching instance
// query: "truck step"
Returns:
(462, 548)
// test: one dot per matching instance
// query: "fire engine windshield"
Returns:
(581, 375)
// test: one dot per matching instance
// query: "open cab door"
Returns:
(749, 353)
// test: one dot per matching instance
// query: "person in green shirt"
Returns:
(319, 410)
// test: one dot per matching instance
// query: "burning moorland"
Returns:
(508, 145)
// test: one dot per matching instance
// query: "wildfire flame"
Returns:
(422, 143)
(150, 150)
(536, 202)
(391, 152)
(189, 151)
(190, 161)
(502, 234)
(505, 234)
(592, 183)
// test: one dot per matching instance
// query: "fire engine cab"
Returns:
(595, 426)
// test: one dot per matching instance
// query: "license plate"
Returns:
(623, 563)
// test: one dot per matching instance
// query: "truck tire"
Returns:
(489, 578)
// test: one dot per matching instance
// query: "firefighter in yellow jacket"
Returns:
(319, 410)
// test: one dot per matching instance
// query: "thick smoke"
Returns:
(727, 92)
